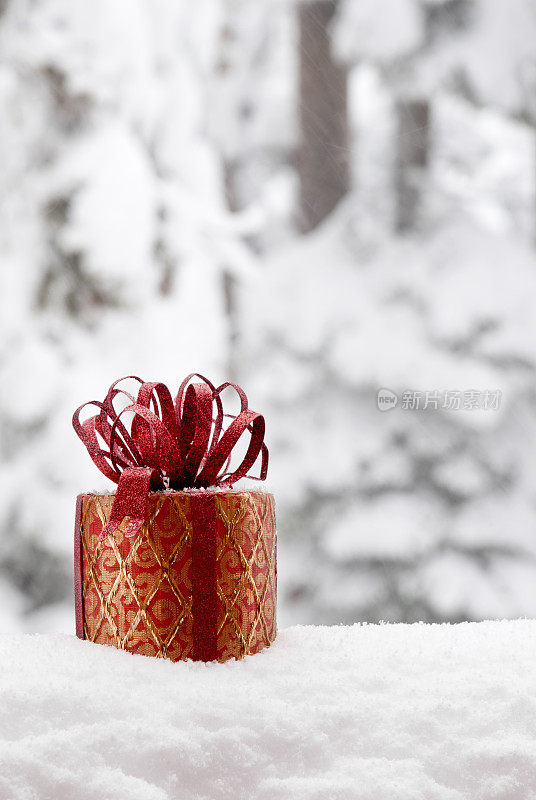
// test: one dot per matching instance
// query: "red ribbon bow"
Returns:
(175, 445)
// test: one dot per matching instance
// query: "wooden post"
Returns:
(412, 148)
(323, 155)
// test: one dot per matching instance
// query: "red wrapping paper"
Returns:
(197, 581)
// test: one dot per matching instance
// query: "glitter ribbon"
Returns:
(168, 444)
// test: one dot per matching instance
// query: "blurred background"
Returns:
(332, 203)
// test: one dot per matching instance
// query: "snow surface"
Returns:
(371, 711)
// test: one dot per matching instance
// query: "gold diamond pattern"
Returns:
(93, 557)
(138, 594)
(248, 585)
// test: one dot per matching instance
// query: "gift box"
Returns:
(173, 572)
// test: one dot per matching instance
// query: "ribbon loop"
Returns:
(178, 445)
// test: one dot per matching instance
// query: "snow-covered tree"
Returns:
(406, 41)
(252, 114)
(406, 514)
(423, 513)
(482, 50)
(114, 237)
(152, 149)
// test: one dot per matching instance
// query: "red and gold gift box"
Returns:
(198, 580)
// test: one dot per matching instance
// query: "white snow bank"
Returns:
(399, 712)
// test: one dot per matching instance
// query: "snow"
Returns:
(409, 491)
(419, 712)
(379, 29)
(508, 29)
(116, 174)
(28, 365)
(398, 526)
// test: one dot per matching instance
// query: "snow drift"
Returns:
(370, 712)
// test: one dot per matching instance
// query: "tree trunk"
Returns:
(411, 161)
(323, 156)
